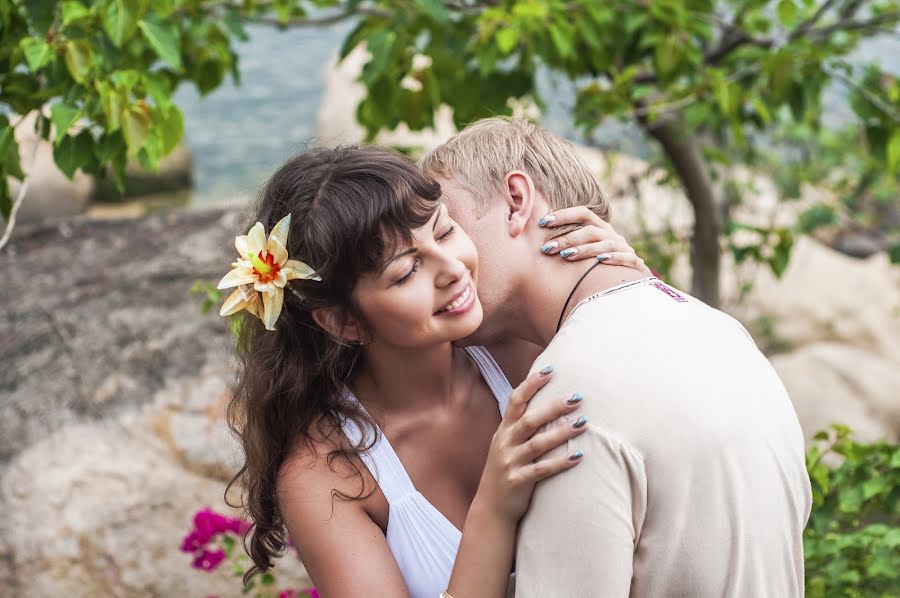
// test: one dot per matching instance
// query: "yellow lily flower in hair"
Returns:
(261, 272)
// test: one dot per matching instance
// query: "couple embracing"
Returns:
(461, 382)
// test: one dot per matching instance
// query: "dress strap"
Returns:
(492, 374)
(381, 459)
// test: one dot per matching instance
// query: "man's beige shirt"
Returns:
(693, 481)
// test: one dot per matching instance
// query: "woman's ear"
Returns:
(520, 198)
(338, 323)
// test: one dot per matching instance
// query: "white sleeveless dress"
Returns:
(423, 541)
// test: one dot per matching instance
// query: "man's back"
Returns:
(693, 481)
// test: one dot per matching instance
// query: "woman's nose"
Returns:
(450, 269)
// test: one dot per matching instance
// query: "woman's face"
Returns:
(425, 293)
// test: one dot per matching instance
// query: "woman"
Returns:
(375, 441)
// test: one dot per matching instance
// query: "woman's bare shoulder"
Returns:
(321, 463)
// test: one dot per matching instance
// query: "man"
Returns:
(693, 481)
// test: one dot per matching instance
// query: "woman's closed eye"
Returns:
(415, 268)
(417, 262)
(448, 232)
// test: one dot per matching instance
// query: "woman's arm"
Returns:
(486, 550)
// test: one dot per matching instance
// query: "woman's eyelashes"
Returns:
(409, 274)
(417, 262)
(449, 232)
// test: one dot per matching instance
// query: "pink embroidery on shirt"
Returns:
(669, 291)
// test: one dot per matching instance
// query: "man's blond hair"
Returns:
(481, 155)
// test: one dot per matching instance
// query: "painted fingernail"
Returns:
(575, 398)
(548, 247)
(546, 370)
(546, 220)
(580, 422)
(576, 456)
(603, 257)
(568, 252)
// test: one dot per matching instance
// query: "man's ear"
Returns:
(520, 199)
(338, 323)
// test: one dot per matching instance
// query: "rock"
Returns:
(836, 383)
(176, 173)
(826, 296)
(856, 244)
(93, 511)
(96, 317)
(188, 417)
(50, 194)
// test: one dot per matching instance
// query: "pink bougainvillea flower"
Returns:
(208, 560)
(311, 592)
(191, 542)
(289, 593)
(261, 272)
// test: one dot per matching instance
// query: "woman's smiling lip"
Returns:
(468, 293)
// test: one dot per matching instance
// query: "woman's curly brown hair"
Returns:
(350, 206)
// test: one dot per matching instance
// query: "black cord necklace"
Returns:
(575, 288)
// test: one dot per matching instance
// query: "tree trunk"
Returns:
(684, 153)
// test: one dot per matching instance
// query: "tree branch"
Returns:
(20, 198)
(870, 25)
(808, 23)
(873, 99)
(318, 21)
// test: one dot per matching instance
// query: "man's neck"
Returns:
(544, 294)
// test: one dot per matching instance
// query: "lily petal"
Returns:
(280, 231)
(236, 277)
(281, 279)
(272, 303)
(233, 304)
(240, 243)
(298, 269)
(256, 239)
(264, 287)
(278, 251)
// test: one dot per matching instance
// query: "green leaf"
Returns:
(267, 579)
(136, 127)
(126, 79)
(507, 38)
(170, 128)
(165, 39)
(159, 88)
(5, 199)
(63, 115)
(37, 53)
(562, 41)
(435, 9)
(113, 100)
(73, 11)
(381, 47)
(893, 152)
(78, 59)
(71, 153)
(9, 153)
(787, 11)
(120, 19)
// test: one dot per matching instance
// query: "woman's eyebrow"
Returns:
(436, 217)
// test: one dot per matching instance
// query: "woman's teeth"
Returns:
(459, 301)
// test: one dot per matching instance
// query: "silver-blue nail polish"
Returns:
(603, 257)
(546, 370)
(567, 252)
(575, 398)
(548, 247)
(544, 221)
(576, 455)
(580, 422)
